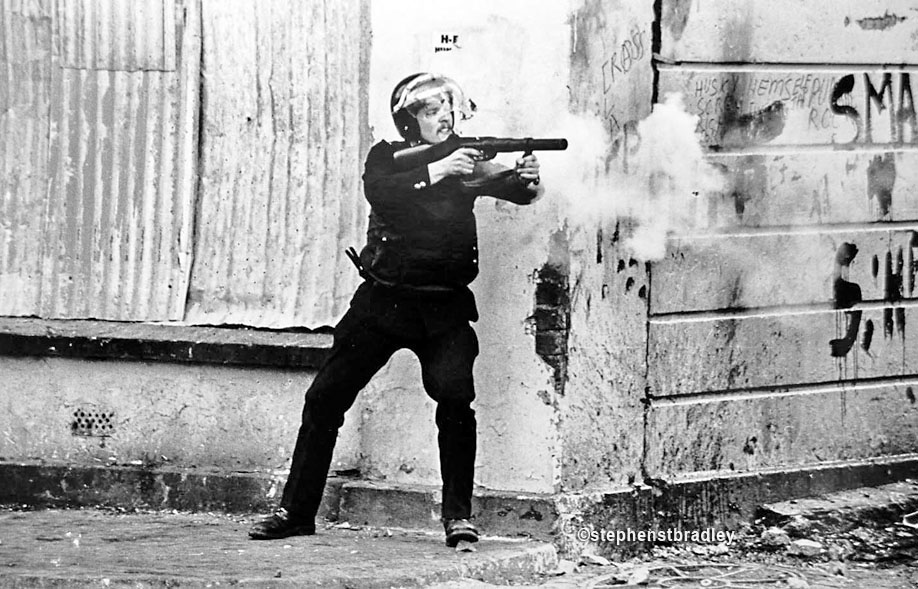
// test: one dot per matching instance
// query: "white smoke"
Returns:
(655, 175)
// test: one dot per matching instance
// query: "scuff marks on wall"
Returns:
(750, 184)
(877, 23)
(790, 31)
(881, 179)
(587, 25)
(676, 16)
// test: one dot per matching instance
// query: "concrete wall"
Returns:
(749, 365)
(601, 411)
(511, 58)
(160, 414)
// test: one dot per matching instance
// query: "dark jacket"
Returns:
(421, 235)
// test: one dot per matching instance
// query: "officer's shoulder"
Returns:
(383, 150)
(384, 145)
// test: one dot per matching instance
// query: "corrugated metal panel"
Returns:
(114, 238)
(283, 144)
(25, 106)
(124, 35)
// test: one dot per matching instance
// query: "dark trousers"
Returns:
(378, 324)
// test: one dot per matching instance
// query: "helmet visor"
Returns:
(433, 87)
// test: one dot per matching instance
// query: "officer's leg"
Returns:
(446, 368)
(359, 351)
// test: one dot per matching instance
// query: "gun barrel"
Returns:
(527, 144)
(547, 144)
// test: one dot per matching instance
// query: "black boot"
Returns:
(282, 525)
(459, 530)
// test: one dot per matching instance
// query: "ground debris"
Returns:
(775, 537)
(805, 548)
(639, 576)
(593, 559)
(565, 567)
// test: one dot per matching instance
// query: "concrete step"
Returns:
(346, 499)
(884, 504)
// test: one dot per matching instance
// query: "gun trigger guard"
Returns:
(485, 155)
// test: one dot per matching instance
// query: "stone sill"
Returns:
(234, 346)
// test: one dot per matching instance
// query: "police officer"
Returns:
(420, 256)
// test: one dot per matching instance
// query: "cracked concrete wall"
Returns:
(161, 414)
(602, 415)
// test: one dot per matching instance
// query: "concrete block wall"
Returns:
(779, 331)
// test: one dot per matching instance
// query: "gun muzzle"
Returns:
(545, 144)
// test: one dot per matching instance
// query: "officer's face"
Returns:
(435, 120)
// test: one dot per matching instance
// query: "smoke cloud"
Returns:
(653, 174)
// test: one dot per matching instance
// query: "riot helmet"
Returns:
(410, 94)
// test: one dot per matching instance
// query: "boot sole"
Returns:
(298, 531)
(453, 539)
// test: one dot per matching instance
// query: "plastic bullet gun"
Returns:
(489, 147)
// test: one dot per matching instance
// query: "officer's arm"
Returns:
(504, 183)
(383, 184)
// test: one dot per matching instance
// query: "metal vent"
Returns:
(91, 422)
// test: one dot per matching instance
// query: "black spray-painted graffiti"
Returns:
(899, 274)
(901, 106)
(846, 294)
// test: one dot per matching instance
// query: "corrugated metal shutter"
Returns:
(283, 145)
(122, 35)
(113, 171)
(25, 112)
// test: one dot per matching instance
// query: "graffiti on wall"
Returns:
(886, 100)
(893, 271)
(720, 102)
(617, 66)
(818, 107)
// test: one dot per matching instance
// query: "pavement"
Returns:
(94, 548)
(855, 540)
